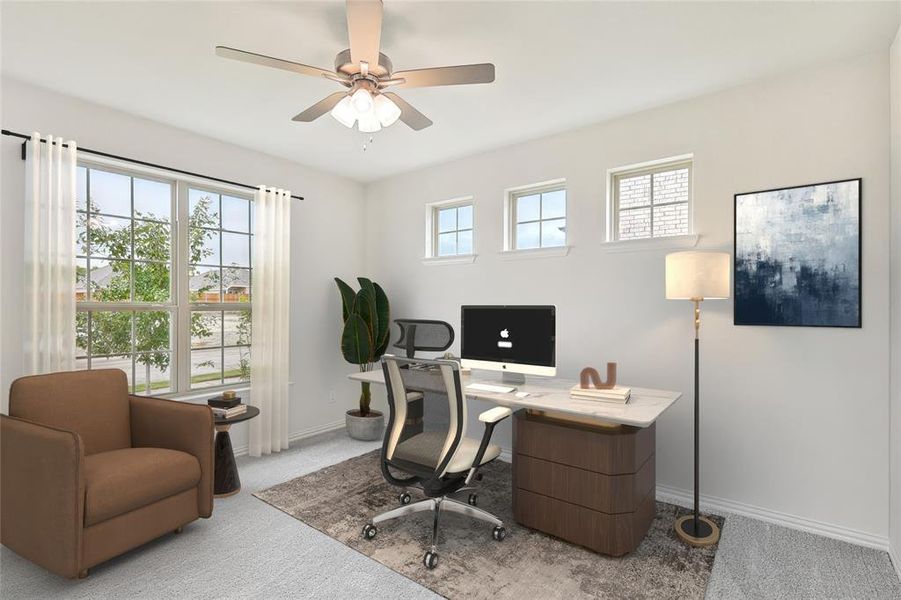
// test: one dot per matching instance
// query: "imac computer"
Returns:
(516, 340)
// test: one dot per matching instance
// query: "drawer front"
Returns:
(614, 535)
(597, 491)
(609, 450)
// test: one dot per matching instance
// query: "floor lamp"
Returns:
(697, 276)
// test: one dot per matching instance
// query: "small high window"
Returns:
(450, 226)
(652, 201)
(537, 217)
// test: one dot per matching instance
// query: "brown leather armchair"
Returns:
(89, 471)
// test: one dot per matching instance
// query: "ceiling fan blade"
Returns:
(269, 61)
(364, 29)
(409, 115)
(459, 75)
(320, 108)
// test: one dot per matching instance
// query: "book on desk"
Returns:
(614, 395)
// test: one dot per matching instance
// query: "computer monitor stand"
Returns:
(513, 378)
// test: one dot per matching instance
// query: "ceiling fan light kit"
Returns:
(366, 73)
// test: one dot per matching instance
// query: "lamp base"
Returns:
(707, 532)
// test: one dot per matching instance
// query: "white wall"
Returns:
(794, 420)
(895, 506)
(326, 232)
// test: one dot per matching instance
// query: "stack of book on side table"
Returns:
(614, 395)
(226, 408)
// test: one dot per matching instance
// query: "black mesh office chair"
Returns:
(440, 459)
(423, 334)
(426, 335)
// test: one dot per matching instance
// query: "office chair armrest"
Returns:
(490, 418)
(498, 413)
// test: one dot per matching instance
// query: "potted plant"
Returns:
(364, 340)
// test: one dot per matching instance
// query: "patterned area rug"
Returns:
(340, 499)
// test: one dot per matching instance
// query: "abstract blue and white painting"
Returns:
(797, 256)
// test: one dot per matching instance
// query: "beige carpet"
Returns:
(340, 499)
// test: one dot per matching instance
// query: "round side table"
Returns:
(226, 481)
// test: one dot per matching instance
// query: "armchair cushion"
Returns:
(93, 404)
(121, 481)
(158, 423)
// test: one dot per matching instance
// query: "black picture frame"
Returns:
(736, 308)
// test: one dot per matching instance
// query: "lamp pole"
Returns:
(697, 302)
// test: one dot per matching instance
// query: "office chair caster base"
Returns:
(499, 533)
(405, 498)
(473, 500)
(369, 531)
(430, 560)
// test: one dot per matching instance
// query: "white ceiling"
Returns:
(559, 64)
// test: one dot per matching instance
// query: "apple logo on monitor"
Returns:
(505, 333)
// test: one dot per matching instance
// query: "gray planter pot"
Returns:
(368, 428)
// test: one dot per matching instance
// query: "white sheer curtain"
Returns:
(50, 255)
(270, 323)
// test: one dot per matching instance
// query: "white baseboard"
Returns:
(299, 435)
(685, 498)
(895, 556)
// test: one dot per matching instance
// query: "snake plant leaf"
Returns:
(348, 295)
(355, 343)
(384, 331)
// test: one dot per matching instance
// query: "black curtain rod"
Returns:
(27, 139)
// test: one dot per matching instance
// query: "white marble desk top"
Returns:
(552, 395)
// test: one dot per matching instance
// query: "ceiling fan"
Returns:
(367, 73)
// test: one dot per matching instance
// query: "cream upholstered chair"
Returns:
(439, 459)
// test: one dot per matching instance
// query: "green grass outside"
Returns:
(157, 385)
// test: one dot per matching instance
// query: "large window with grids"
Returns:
(652, 201)
(162, 280)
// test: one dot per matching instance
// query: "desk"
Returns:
(551, 395)
(583, 471)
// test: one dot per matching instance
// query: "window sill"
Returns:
(535, 253)
(673, 242)
(459, 259)
(200, 396)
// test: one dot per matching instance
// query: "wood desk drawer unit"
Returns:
(587, 484)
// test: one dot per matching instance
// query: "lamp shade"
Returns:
(386, 110)
(697, 275)
(344, 112)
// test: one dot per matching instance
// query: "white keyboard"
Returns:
(487, 387)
